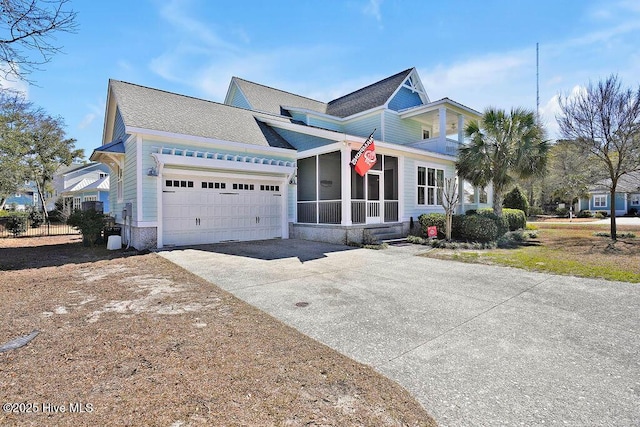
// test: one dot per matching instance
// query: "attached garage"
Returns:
(200, 210)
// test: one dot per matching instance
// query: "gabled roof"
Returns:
(628, 183)
(87, 184)
(269, 100)
(153, 109)
(372, 96)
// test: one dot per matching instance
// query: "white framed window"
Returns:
(426, 133)
(635, 199)
(599, 201)
(90, 198)
(103, 175)
(77, 203)
(430, 181)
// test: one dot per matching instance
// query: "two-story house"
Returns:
(271, 164)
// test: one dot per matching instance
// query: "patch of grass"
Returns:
(569, 249)
(552, 261)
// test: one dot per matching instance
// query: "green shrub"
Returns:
(627, 235)
(585, 214)
(515, 199)
(457, 226)
(433, 219)
(633, 211)
(37, 219)
(600, 215)
(535, 211)
(515, 217)
(480, 228)
(501, 222)
(90, 223)
(562, 212)
(16, 224)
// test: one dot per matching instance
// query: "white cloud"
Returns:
(373, 8)
(10, 81)
(87, 120)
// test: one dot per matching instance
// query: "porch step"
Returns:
(381, 234)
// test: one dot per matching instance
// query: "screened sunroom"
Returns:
(329, 191)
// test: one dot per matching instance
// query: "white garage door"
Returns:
(208, 210)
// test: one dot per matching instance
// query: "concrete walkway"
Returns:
(476, 345)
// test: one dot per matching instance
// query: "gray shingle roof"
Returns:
(268, 99)
(369, 97)
(154, 109)
(628, 183)
(264, 98)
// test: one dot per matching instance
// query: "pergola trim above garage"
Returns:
(166, 157)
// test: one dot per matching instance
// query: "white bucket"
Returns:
(114, 242)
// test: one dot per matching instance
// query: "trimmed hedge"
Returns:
(516, 218)
(585, 214)
(501, 222)
(479, 228)
(433, 219)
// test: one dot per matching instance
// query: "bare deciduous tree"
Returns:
(604, 121)
(450, 199)
(27, 33)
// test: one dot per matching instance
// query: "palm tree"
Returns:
(502, 147)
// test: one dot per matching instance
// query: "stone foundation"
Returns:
(345, 234)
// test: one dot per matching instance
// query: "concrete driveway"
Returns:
(476, 345)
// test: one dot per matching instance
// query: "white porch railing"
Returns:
(358, 211)
(320, 212)
(330, 211)
(390, 211)
(373, 209)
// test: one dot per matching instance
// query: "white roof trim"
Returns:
(280, 168)
(418, 88)
(414, 111)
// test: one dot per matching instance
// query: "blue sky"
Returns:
(478, 53)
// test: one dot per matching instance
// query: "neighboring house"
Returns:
(627, 196)
(271, 164)
(81, 183)
(26, 198)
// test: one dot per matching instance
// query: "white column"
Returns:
(442, 113)
(460, 128)
(345, 174)
(284, 184)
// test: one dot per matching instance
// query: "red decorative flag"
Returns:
(365, 158)
(432, 232)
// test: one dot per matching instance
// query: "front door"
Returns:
(374, 199)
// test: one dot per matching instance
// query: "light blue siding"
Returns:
(405, 98)
(325, 124)
(401, 131)
(303, 142)
(118, 126)
(364, 126)
(410, 182)
(149, 184)
(238, 100)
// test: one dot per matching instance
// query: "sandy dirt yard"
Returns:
(130, 339)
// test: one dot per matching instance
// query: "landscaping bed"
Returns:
(131, 339)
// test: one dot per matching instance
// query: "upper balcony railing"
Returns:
(447, 146)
